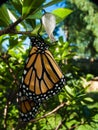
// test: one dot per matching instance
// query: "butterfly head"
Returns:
(40, 44)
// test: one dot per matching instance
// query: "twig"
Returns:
(50, 113)
(11, 27)
(17, 32)
(21, 124)
(60, 124)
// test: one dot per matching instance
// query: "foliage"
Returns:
(82, 27)
(73, 108)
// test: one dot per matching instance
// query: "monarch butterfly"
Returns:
(28, 108)
(42, 77)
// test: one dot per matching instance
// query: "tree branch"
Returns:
(11, 27)
(50, 113)
(21, 124)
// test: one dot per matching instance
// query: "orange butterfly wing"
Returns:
(42, 76)
(27, 108)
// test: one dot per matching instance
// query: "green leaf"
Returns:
(17, 5)
(69, 91)
(30, 6)
(4, 16)
(61, 13)
(37, 15)
(36, 29)
(96, 44)
(1, 39)
(88, 99)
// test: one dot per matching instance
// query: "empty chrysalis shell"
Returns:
(49, 23)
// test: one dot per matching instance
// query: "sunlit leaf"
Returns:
(61, 13)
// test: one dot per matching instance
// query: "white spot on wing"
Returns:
(30, 113)
(25, 72)
(20, 94)
(24, 90)
(24, 86)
